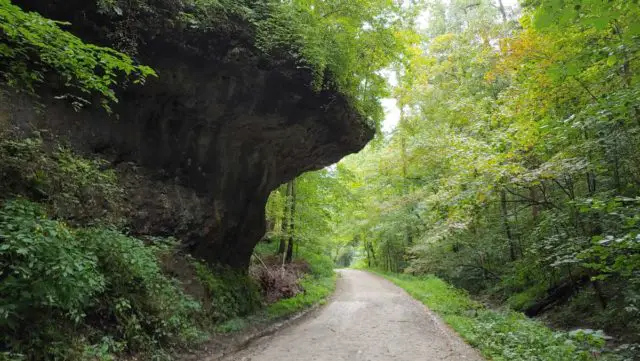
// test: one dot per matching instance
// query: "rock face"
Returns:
(214, 136)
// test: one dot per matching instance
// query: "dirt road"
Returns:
(369, 319)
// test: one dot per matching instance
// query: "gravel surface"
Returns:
(368, 319)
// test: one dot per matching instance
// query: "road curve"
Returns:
(368, 319)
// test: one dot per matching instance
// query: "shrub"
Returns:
(320, 265)
(150, 309)
(45, 275)
(81, 293)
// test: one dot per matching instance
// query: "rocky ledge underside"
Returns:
(214, 134)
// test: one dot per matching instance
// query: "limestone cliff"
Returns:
(214, 134)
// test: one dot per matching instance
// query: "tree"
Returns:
(33, 48)
(514, 169)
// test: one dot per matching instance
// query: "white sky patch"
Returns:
(392, 114)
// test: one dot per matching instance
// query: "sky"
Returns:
(392, 113)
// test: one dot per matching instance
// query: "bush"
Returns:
(45, 276)
(79, 293)
(150, 309)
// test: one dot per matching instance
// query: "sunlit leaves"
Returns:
(345, 43)
(33, 47)
(521, 144)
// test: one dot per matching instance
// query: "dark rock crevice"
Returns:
(214, 135)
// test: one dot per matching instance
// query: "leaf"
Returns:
(600, 23)
(22, 251)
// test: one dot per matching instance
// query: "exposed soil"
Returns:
(369, 319)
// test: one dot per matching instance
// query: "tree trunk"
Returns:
(287, 219)
(292, 223)
(502, 11)
(371, 252)
(507, 227)
(405, 184)
(601, 298)
(535, 208)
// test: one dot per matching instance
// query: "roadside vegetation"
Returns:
(512, 174)
(504, 335)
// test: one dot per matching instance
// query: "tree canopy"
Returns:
(513, 171)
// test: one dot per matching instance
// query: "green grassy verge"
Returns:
(316, 291)
(500, 335)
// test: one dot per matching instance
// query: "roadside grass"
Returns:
(317, 290)
(501, 335)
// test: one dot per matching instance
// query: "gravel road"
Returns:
(368, 319)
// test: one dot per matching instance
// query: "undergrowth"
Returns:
(316, 291)
(229, 294)
(85, 293)
(316, 288)
(76, 189)
(91, 293)
(502, 335)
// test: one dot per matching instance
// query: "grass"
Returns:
(316, 291)
(500, 335)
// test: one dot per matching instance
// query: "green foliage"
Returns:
(513, 172)
(320, 235)
(500, 335)
(151, 309)
(522, 300)
(32, 48)
(77, 189)
(73, 293)
(230, 294)
(320, 265)
(44, 266)
(317, 286)
(233, 325)
(345, 43)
